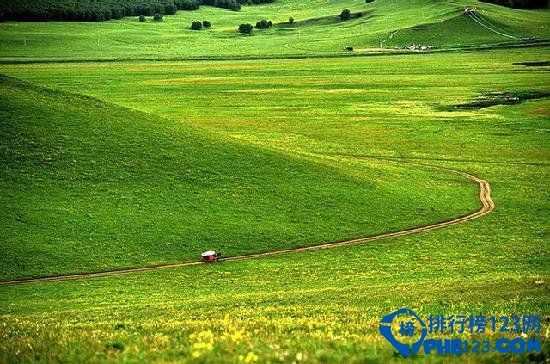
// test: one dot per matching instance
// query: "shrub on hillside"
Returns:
(206, 24)
(245, 28)
(264, 24)
(157, 17)
(345, 14)
(196, 25)
(142, 18)
(291, 20)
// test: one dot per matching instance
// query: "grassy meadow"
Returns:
(317, 31)
(94, 187)
(145, 161)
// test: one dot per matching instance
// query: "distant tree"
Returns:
(157, 8)
(245, 28)
(359, 14)
(264, 24)
(196, 25)
(142, 18)
(345, 14)
(291, 20)
(170, 8)
(369, 1)
(188, 4)
(206, 24)
(157, 17)
(224, 4)
(249, 2)
(144, 9)
(117, 13)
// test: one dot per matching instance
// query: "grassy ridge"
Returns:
(173, 38)
(89, 186)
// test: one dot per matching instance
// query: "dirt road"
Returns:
(487, 205)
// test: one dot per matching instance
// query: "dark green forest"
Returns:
(101, 10)
(520, 4)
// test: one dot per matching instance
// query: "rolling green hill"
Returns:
(317, 31)
(90, 187)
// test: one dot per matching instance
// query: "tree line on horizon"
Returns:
(94, 11)
(520, 4)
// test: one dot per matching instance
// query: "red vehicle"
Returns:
(210, 256)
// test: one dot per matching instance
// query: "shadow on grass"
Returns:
(490, 99)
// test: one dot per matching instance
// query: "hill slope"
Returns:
(88, 186)
(317, 31)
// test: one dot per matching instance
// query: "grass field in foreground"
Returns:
(317, 31)
(320, 306)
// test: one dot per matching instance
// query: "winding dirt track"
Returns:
(487, 205)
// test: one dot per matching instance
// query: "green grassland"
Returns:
(139, 162)
(313, 34)
(89, 187)
(222, 311)
(375, 106)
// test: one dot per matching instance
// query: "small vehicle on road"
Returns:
(210, 256)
